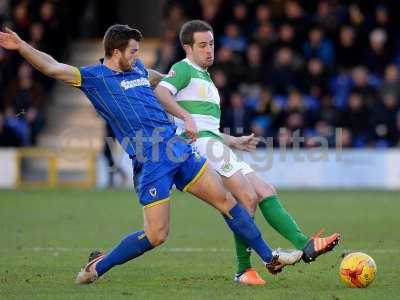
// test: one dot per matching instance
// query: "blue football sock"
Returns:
(242, 224)
(131, 246)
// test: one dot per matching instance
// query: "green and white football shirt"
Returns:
(194, 91)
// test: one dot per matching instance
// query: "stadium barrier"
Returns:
(38, 167)
(303, 169)
(344, 169)
(309, 168)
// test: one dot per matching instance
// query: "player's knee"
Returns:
(271, 191)
(226, 203)
(267, 190)
(157, 236)
(250, 200)
(160, 239)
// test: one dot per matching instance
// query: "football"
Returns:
(357, 270)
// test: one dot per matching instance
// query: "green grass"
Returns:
(45, 237)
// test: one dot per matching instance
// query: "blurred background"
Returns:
(303, 66)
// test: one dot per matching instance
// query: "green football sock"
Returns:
(277, 216)
(242, 255)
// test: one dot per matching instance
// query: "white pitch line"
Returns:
(65, 249)
(191, 250)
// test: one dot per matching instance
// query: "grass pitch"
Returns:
(45, 237)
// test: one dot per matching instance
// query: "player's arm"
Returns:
(154, 77)
(245, 142)
(166, 99)
(43, 62)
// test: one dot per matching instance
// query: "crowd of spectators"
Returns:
(302, 66)
(305, 66)
(23, 91)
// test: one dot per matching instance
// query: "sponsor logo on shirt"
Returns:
(129, 84)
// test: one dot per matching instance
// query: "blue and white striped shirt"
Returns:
(128, 103)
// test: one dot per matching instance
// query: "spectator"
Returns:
(283, 75)
(343, 138)
(362, 86)
(287, 38)
(265, 114)
(325, 18)
(295, 15)
(13, 132)
(355, 117)
(175, 18)
(21, 19)
(327, 120)
(209, 12)
(356, 19)
(382, 20)
(376, 55)
(265, 37)
(383, 121)
(262, 16)
(347, 49)
(391, 82)
(233, 39)
(166, 55)
(3, 10)
(328, 112)
(25, 97)
(318, 46)
(240, 17)
(230, 64)
(53, 30)
(398, 127)
(221, 83)
(254, 69)
(315, 78)
(295, 115)
(2, 75)
(236, 119)
(36, 33)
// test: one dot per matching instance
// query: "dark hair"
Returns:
(189, 28)
(117, 37)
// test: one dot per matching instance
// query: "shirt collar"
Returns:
(194, 65)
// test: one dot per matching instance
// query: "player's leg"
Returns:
(224, 161)
(274, 212)
(241, 189)
(208, 187)
(280, 219)
(155, 232)
(154, 196)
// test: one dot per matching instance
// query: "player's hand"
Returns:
(246, 142)
(190, 128)
(10, 40)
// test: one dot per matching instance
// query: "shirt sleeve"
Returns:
(87, 78)
(139, 64)
(177, 78)
(78, 78)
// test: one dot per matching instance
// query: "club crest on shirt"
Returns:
(153, 192)
(196, 152)
(227, 167)
(171, 73)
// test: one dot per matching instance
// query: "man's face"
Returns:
(128, 57)
(202, 50)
